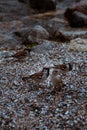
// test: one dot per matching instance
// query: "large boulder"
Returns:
(76, 18)
(36, 33)
(43, 5)
(77, 14)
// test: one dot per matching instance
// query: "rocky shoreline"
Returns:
(43, 69)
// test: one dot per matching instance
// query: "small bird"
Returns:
(57, 82)
(38, 77)
(35, 81)
(57, 74)
(64, 68)
(21, 53)
(42, 75)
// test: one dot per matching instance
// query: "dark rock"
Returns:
(75, 18)
(80, 19)
(43, 5)
(60, 36)
(37, 32)
(81, 6)
(77, 15)
(24, 1)
(35, 36)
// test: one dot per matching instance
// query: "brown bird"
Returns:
(21, 53)
(57, 81)
(42, 75)
(35, 80)
(38, 77)
(64, 67)
(58, 72)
